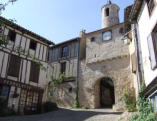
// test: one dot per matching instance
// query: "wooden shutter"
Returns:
(14, 66)
(133, 63)
(34, 72)
(151, 52)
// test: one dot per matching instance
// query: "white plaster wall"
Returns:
(146, 24)
(10, 101)
(27, 44)
(24, 71)
(44, 54)
(17, 41)
(1, 59)
(41, 52)
(4, 65)
(6, 31)
(32, 52)
(42, 76)
(37, 50)
(23, 41)
(28, 72)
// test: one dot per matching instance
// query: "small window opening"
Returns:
(33, 45)
(107, 11)
(65, 51)
(70, 90)
(12, 35)
(151, 5)
(121, 30)
(93, 39)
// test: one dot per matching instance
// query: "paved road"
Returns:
(70, 115)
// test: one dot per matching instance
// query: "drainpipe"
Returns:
(139, 64)
(78, 65)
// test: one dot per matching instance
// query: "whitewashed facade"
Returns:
(144, 33)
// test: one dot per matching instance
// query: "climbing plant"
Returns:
(54, 81)
(129, 101)
(144, 106)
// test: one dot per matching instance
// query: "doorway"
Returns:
(107, 96)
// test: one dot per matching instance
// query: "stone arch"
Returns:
(97, 96)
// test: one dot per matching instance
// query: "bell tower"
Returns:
(110, 14)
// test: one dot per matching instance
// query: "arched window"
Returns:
(107, 11)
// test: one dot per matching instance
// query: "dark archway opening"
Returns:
(107, 97)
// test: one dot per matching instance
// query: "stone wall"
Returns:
(64, 94)
(113, 17)
(89, 81)
(106, 59)
(55, 68)
(100, 50)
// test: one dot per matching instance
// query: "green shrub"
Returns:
(3, 103)
(4, 110)
(76, 103)
(7, 112)
(129, 101)
(145, 110)
(49, 106)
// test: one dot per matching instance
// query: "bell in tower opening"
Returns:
(110, 14)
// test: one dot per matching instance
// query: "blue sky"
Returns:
(60, 20)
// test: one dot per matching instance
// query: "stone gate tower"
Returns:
(110, 15)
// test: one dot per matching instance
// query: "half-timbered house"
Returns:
(21, 78)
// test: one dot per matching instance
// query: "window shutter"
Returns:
(14, 66)
(151, 52)
(133, 63)
(34, 72)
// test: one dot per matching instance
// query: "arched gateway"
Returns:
(104, 94)
(107, 96)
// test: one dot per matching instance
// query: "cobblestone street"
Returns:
(70, 115)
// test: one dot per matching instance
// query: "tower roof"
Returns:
(110, 4)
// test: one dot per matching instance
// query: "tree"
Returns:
(5, 4)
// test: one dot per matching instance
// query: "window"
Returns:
(34, 72)
(152, 45)
(70, 90)
(107, 35)
(65, 51)
(107, 11)
(32, 45)
(4, 92)
(151, 5)
(63, 67)
(14, 66)
(93, 39)
(154, 102)
(12, 35)
(121, 30)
